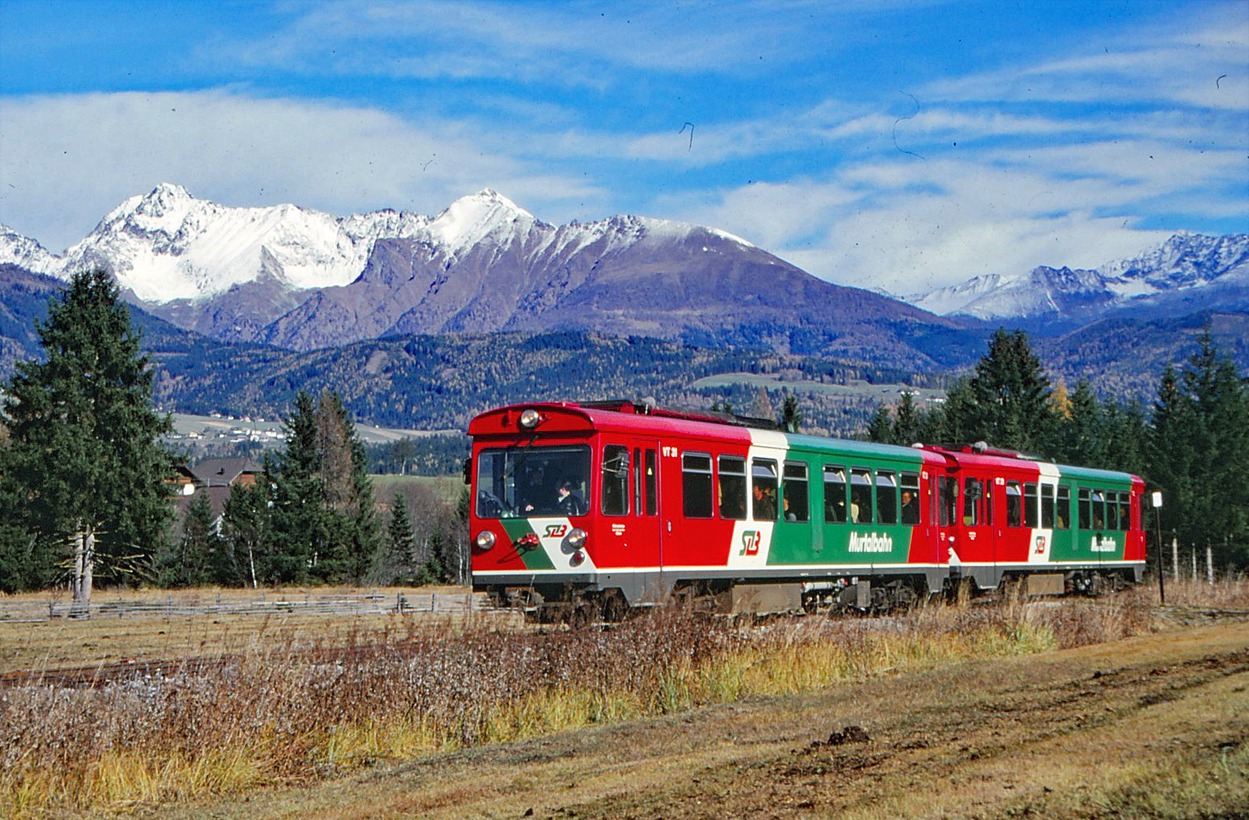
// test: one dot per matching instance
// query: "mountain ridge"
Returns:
(1170, 276)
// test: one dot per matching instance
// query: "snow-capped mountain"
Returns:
(304, 279)
(24, 252)
(168, 245)
(1186, 267)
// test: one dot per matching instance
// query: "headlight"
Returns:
(484, 540)
(530, 418)
(576, 538)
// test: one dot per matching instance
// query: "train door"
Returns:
(945, 515)
(975, 515)
(629, 504)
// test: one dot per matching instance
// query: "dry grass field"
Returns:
(1113, 707)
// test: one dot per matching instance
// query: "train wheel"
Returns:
(613, 606)
(585, 612)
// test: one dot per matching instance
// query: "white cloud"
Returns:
(68, 160)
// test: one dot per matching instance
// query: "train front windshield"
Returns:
(525, 481)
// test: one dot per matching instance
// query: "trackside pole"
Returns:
(1156, 500)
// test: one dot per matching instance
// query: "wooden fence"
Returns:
(263, 602)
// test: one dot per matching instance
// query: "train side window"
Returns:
(973, 493)
(696, 485)
(763, 489)
(794, 495)
(1030, 505)
(860, 496)
(1047, 506)
(947, 488)
(1112, 511)
(1125, 511)
(636, 465)
(1014, 504)
(615, 480)
(652, 482)
(886, 497)
(1099, 510)
(1085, 519)
(1063, 520)
(733, 487)
(910, 498)
(834, 494)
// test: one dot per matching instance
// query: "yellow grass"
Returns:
(310, 702)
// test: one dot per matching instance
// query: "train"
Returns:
(607, 507)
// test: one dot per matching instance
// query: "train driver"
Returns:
(569, 503)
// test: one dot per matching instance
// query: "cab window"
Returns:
(615, 480)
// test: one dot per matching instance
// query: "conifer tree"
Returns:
(323, 526)
(1200, 454)
(906, 426)
(1008, 396)
(298, 527)
(188, 561)
(880, 428)
(435, 570)
(85, 473)
(791, 414)
(245, 538)
(401, 543)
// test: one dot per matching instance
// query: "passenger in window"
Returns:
(789, 514)
(910, 508)
(765, 507)
(569, 502)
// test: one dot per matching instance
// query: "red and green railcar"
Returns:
(621, 504)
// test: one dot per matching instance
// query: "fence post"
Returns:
(1209, 565)
(1175, 557)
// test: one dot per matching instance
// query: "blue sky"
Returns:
(895, 144)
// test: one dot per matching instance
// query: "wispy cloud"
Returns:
(69, 159)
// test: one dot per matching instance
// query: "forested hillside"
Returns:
(440, 382)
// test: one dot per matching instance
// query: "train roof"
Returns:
(647, 417)
(644, 417)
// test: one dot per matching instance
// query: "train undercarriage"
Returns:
(847, 595)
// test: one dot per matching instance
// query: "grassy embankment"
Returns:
(249, 714)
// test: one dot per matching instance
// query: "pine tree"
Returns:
(323, 526)
(1009, 396)
(791, 414)
(434, 570)
(297, 532)
(906, 426)
(401, 544)
(188, 561)
(1079, 435)
(880, 428)
(245, 538)
(85, 474)
(1199, 454)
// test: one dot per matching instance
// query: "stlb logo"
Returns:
(556, 530)
(750, 542)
